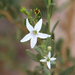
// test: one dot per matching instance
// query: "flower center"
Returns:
(34, 32)
(48, 59)
(36, 11)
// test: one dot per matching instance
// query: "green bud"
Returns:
(23, 10)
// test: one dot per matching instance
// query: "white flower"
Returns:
(48, 59)
(34, 33)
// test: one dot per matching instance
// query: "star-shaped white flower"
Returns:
(34, 33)
(48, 59)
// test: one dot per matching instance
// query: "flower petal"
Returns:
(49, 54)
(26, 38)
(45, 57)
(29, 27)
(52, 59)
(38, 25)
(43, 36)
(49, 64)
(33, 41)
(43, 60)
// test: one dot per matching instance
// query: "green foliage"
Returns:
(46, 71)
(24, 21)
(32, 55)
(23, 10)
(32, 73)
(12, 6)
(53, 47)
(38, 50)
(38, 68)
(48, 43)
(68, 53)
(67, 71)
(5, 4)
(55, 26)
(59, 44)
(44, 28)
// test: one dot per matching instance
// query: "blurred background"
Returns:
(13, 58)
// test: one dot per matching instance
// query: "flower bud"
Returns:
(23, 10)
(49, 48)
(36, 11)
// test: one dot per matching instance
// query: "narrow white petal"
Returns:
(49, 64)
(43, 36)
(38, 25)
(26, 38)
(43, 60)
(49, 54)
(45, 57)
(33, 41)
(29, 27)
(52, 59)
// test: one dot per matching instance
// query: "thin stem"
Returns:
(35, 17)
(48, 15)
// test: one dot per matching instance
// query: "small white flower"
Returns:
(34, 33)
(48, 59)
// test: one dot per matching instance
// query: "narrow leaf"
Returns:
(45, 28)
(46, 71)
(32, 55)
(48, 43)
(38, 68)
(59, 44)
(38, 50)
(55, 26)
(53, 47)
(24, 21)
(67, 71)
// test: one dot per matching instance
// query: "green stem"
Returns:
(35, 17)
(48, 15)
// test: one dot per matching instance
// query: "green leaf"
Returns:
(52, 36)
(38, 68)
(48, 43)
(47, 72)
(59, 44)
(24, 21)
(51, 8)
(68, 53)
(38, 50)
(67, 71)
(53, 64)
(53, 47)
(32, 55)
(53, 73)
(55, 26)
(30, 11)
(45, 28)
